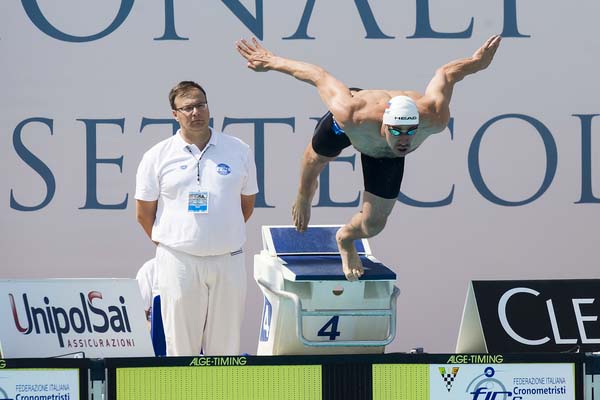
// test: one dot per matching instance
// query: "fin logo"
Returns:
(448, 377)
(488, 387)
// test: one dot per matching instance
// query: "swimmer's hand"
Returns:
(484, 55)
(257, 56)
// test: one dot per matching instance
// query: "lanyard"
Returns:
(188, 148)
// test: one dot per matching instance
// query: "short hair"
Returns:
(181, 88)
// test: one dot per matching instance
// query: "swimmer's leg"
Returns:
(367, 223)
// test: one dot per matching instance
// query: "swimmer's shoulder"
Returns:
(367, 107)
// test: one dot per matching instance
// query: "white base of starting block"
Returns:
(309, 306)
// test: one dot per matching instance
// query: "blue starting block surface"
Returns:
(315, 240)
(313, 255)
(329, 268)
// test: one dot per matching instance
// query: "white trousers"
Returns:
(202, 302)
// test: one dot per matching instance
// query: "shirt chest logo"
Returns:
(223, 169)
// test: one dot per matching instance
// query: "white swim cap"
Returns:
(401, 110)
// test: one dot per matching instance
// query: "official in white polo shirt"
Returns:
(194, 193)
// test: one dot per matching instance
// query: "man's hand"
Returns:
(257, 56)
(485, 53)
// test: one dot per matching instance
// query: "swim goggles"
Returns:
(398, 132)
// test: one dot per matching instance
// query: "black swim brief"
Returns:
(382, 176)
(329, 139)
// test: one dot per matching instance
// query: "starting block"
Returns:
(310, 307)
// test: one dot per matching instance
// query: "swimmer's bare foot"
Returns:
(484, 55)
(351, 264)
(301, 212)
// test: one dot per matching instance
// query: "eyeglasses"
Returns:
(397, 132)
(190, 109)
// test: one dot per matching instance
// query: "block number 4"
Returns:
(332, 325)
(265, 332)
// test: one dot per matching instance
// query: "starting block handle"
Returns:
(390, 313)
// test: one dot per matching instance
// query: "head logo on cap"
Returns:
(401, 110)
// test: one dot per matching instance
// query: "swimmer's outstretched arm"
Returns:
(456, 70)
(439, 90)
(335, 94)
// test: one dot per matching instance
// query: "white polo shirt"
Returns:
(172, 169)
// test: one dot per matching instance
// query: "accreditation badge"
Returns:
(198, 202)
